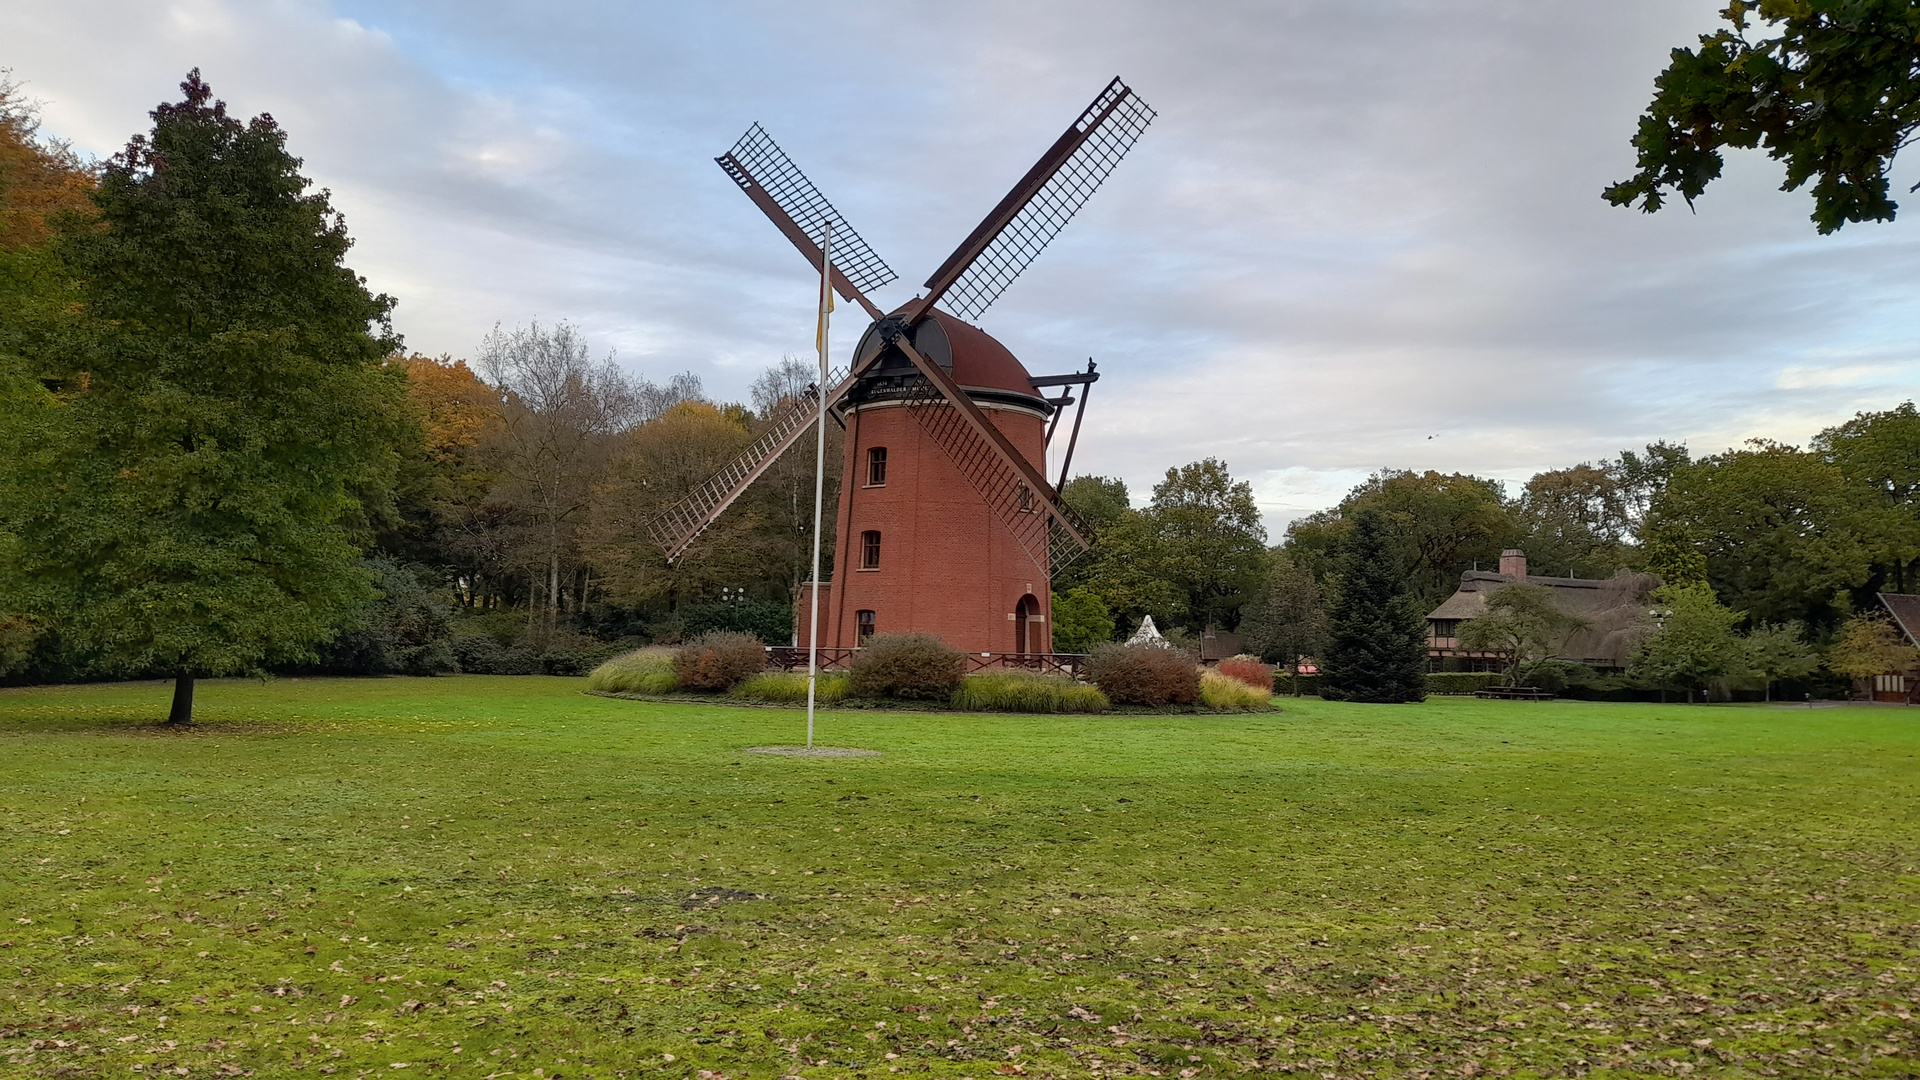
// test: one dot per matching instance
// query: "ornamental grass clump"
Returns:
(1145, 674)
(913, 667)
(1219, 691)
(1027, 692)
(646, 671)
(719, 661)
(790, 688)
(1248, 670)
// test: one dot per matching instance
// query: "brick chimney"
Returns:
(1513, 563)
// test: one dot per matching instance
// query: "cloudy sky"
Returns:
(1362, 234)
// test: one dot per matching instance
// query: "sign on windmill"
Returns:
(947, 524)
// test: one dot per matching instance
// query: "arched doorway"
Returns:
(1026, 632)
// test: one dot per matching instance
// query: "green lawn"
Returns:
(503, 877)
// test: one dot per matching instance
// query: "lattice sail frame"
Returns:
(776, 174)
(1118, 118)
(1033, 519)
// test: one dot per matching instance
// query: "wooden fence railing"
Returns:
(790, 658)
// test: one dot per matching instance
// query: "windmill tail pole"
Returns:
(819, 474)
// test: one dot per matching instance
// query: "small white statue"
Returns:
(1148, 635)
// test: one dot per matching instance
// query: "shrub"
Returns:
(579, 659)
(1461, 682)
(1286, 682)
(1144, 675)
(645, 671)
(911, 666)
(764, 619)
(479, 654)
(1027, 692)
(790, 687)
(1248, 670)
(719, 661)
(1219, 691)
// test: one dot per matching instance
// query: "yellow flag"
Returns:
(826, 306)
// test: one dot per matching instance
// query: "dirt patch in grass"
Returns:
(813, 751)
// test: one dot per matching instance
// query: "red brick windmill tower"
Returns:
(947, 524)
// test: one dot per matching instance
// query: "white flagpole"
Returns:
(819, 471)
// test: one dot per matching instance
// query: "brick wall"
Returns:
(948, 567)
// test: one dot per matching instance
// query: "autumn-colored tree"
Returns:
(439, 498)
(1868, 645)
(41, 179)
(654, 466)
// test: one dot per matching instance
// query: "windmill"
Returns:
(946, 522)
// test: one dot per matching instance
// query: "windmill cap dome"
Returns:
(971, 355)
(979, 360)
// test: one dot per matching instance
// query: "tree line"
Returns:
(217, 456)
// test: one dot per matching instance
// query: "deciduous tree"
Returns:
(561, 412)
(1287, 621)
(1868, 645)
(1690, 642)
(1523, 623)
(1830, 88)
(1081, 621)
(1776, 651)
(188, 511)
(1784, 536)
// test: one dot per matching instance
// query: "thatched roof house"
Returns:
(1614, 609)
(1900, 686)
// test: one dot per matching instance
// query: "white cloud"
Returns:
(1360, 235)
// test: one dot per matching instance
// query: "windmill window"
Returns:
(1023, 497)
(870, 550)
(866, 622)
(877, 466)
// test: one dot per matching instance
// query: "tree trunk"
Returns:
(182, 711)
(1768, 693)
(553, 593)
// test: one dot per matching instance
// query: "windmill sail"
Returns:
(764, 172)
(676, 528)
(1044, 526)
(1015, 232)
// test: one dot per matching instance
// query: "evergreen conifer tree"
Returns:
(1377, 647)
(191, 510)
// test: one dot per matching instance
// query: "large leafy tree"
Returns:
(1212, 545)
(192, 508)
(1376, 641)
(1878, 454)
(1783, 535)
(1437, 524)
(1830, 88)
(1574, 520)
